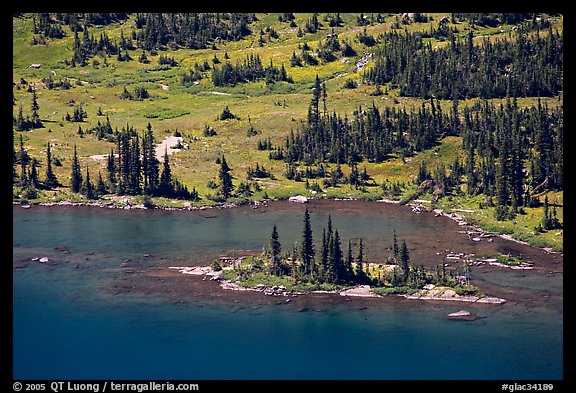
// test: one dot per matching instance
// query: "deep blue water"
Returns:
(66, 327)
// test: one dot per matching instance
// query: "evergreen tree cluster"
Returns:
(103, 131)
(549, 219)
(87, 47)
(140, 93)
(513, 153)
(312, 25)
(158, 29)
(366, 39)
(90, 18)
(259, 172)
(369, 135)
(264, 144)
(328, 264)
(153, 31)
(78, 115)
(334, 20)
(190, 30)
(29, 180)
(46, 26)
(29, 122)
(167, 60)
(249, 70)
(331, 48)
(132, 169)
(286, 17)
(50, 83)
(491, 19)
(522, 65)
(197, 73)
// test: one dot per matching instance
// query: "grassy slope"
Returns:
(189, 109)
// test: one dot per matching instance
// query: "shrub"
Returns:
(350, 84)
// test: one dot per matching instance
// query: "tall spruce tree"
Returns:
(135, 171)
(35, 120)
(111, 169)
(323, 255)
(100, 185)
(395, 249)
(313, 109)
(87, 187)
(150, 164)
(33, 180)
(166, 176)
(23, 158)
(226, 186)
(337, 258)
(51, 180)
(349, 270)
(404, 256)
(307, 248)
(76, 174)
(275, 250)
(360, 260)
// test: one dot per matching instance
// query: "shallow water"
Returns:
(66, 324)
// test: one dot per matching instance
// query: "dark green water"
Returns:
(67, 326)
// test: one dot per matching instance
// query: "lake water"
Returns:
(67, 324)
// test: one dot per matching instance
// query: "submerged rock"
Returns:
(458, 314)
(463, 315)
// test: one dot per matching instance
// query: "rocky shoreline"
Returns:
(111, 205)
(429, 292)
(475, 234)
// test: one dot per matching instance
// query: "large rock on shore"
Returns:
(298, 198)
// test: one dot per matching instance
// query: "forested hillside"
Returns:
(458, 111)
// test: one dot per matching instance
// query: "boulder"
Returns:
(298, 199)
(462, 315)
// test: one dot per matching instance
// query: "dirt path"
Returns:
(166, 145)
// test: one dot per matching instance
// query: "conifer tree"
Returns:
(307, 248)
(135, 171)
(275, 250)
(20, 123)
(51, 180)
(313, 111)
(100, 185)
(87, 187)
(149, 161)
(395, 249)
(23, 158)
(349, 271)
(360, 260)
(226, 186)
(166, 177)
(404, 257)
(35, 120)
(337, 257)
(111, 169)
(323, 255)
(76, 175)
(33, 175)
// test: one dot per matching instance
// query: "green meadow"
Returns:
(273, 111)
